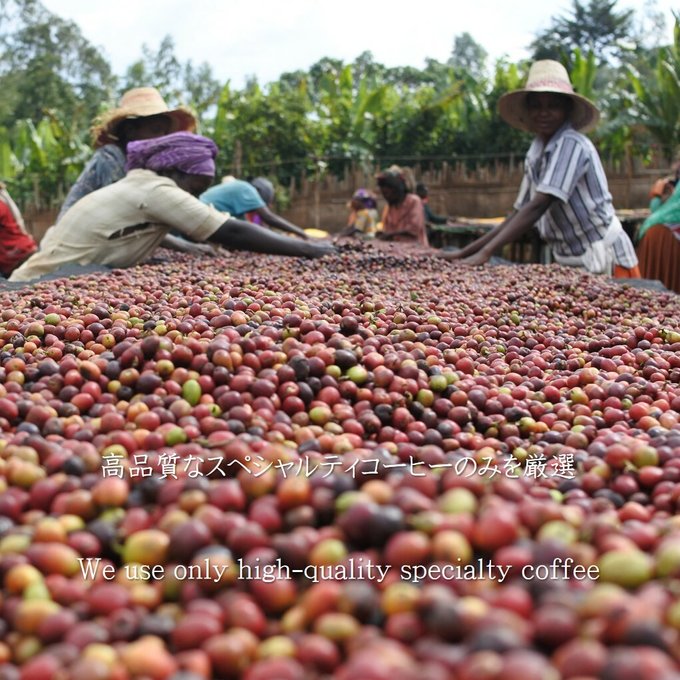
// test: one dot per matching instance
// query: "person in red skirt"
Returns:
(658, 247)
(15, 243)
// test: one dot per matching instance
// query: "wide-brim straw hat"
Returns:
(547, 76)
(140, 102)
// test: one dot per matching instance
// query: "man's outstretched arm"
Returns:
(241, 235)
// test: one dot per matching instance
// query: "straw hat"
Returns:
(547, 76)
(140, 102)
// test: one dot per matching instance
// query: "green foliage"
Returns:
(336, 114)
(179, 84)
(41, 161)
(596, 27)
(583, 72)
(656, 104)
(47, 64)
(257, 129)
(468, 56)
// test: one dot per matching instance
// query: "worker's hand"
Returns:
(480, 257)
(204, 249)
(317, 248)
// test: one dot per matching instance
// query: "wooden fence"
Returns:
(484, 190)
(480, 187)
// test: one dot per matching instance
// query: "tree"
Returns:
(264, 131)
(179, 84)
(47, 64)
(160, 69)
(596, 27)
(656, 104)
(468, 56)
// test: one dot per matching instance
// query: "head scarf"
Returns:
(265, 188)
(366, 197)
(184, 151)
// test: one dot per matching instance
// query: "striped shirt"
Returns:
(568, 167)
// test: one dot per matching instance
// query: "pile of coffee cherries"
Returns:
(376, 465)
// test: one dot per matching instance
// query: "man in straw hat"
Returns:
(121, 224)
(141, 114)
(564, 189)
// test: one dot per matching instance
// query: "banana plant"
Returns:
(583, 73)
(657, 100)
(42, 159)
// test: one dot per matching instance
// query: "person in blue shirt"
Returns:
(249, 201)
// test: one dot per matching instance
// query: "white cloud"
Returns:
(240, 38)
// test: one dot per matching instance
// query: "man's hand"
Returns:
(317, 248)
(205, 249)
(480, 257)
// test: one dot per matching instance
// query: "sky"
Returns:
(243, 38)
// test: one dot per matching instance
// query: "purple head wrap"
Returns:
(182, 151)
(366, 197)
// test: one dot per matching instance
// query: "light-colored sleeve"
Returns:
(170, 205)
(565, 168)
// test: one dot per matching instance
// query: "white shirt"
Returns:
(121, 224)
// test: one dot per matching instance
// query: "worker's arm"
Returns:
(278, 222)
(472, 247)
(513, 228)
(241, 235)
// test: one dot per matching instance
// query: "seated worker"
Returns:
(430, 217)
(15, 242)
(141, 114)
(663, 189)
(403, 217)
(564, 188)
(659, 244)
(121, 224)
(363, 217)
(249, 201)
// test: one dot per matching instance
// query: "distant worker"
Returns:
(363, 217)
(403, 218)
(430, 216)
(249, 201)
(664, 188)
(564, 189)
(659, 244)
(16, 245)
